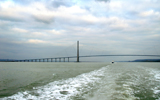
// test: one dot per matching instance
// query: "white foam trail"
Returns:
(124, 85)
(62, 89)
(157, 78)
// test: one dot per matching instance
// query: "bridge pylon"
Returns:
(77, 51)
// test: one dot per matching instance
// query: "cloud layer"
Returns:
(113, 26)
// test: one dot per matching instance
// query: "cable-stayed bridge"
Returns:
(67, 58)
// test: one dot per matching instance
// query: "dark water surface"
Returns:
(79, 81)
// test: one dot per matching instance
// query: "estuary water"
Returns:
(79, 81)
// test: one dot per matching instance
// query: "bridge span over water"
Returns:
(67, 59)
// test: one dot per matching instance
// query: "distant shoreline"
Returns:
(146, 60)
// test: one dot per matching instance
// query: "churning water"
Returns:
(80, 81)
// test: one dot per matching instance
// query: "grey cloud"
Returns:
(11, 50)
(11, 15)
(57, 3)
(10, 18)
(25, 2)
(103, 0)
(43, 19)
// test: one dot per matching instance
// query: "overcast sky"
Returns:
(43, 28)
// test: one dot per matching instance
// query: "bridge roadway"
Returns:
(64, 58)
